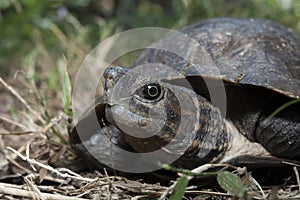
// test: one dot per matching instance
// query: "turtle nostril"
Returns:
(114, 73)
(110, 77)
(108, 73)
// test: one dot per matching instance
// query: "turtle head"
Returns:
(157, 113)
(162, 112)
(145, 109)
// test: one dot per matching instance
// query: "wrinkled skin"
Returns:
(259, 63)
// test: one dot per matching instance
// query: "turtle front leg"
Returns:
(280, 135)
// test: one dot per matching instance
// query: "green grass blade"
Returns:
(187, 172)
(66, 94)
(232, 184)
(278, 110)
(179, 188)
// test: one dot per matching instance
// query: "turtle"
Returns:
(213, 103)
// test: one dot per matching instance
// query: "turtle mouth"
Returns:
(107, 116)
(91, 121)
(129, 122)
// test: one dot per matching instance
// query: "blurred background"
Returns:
(40, 39)
(45, 31)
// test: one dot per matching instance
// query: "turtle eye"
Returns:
(151, 91)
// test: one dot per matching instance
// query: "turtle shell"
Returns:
(244, 51)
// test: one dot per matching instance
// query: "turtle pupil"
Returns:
(152, 91)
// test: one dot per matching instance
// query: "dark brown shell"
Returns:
(245, 51)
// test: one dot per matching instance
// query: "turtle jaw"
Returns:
(88, 124)
(108, 116)
(134, 124)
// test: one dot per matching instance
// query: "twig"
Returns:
(297, 176)
(69, 172)
(259, 187)
(28, 156)
(96, 183)
(19, 133)
(22, 100)
(10, 189)
(290, 163)
(49, 178)
(32, 187)
(20, 150)
(110, 184)
(167, 191)
(51, 125)
(47, 167)
(18, 165)
(209, 192)
(10, 121)
(47, 127)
